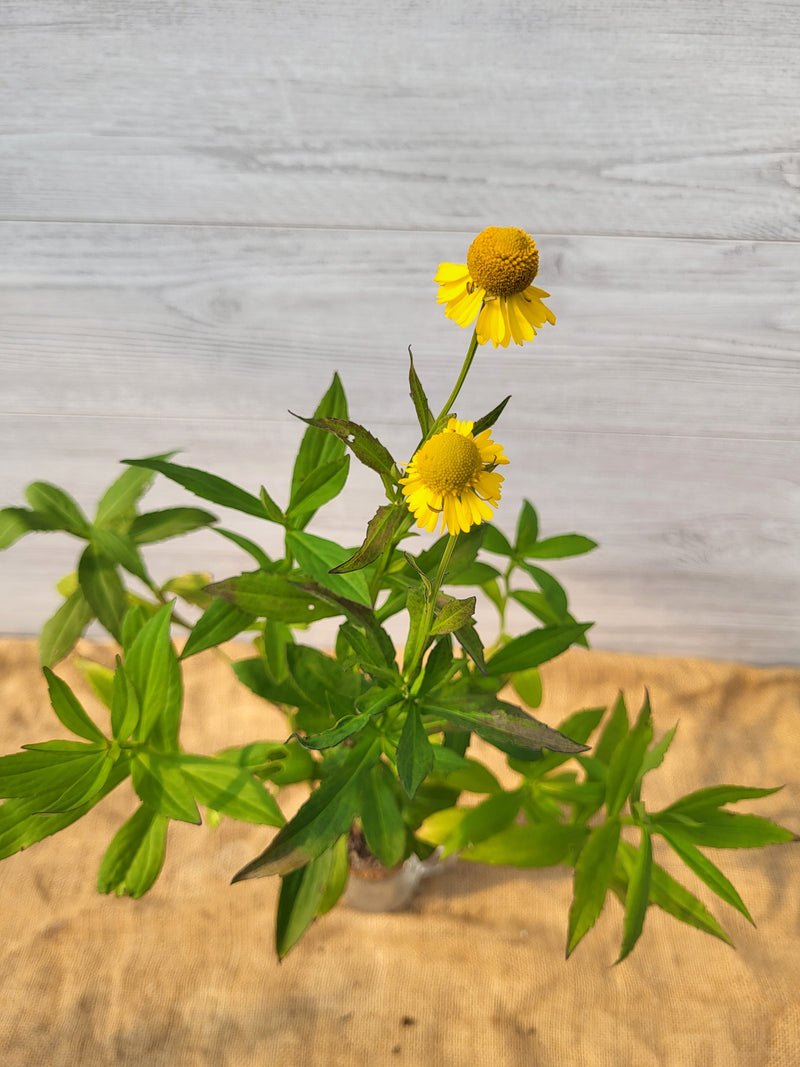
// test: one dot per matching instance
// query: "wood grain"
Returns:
(596, 117)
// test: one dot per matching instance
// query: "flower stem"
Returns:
(430, 610)
(473, 346)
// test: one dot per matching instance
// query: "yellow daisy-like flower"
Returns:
(452, 477)
(495, 285)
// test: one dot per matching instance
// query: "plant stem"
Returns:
(430, 610)
(473, 346)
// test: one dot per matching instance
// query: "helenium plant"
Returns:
(382, 739)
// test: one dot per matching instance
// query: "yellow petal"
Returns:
(450, 272)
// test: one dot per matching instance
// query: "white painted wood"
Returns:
(206, 208)
(570, 116)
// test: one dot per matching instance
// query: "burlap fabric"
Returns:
(473, 973)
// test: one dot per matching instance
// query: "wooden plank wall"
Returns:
(207, 207)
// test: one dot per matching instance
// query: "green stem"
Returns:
(473, 347)
(430, 610)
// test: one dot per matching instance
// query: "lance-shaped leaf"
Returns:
(274, 513)
(326, 815)
(317, 447)
(379, 700)
(219, 623)
(119, 548)
(124, 705)
(273, 596)
(637, 895)
(415, 603)
(358, 613)
(159, 782)
(503, 725)
(152, 666)
(527, 528)
(207, 486)
(421, 406)
(169, 522)
(316, 489)
(560, 547)
(453, 615)
(252, 549)
(535, 647)
(134, 859)
(726, 829)
(381, 531)
(374, 656)
(381, 818)
(302, 898)
(705, 870)
(16, 522)
(103, 589)
(467, 637)
(487, 421)
(706, 800)
(222, 786)
(594, 870)
(626, 763)
(61, 632)
(117, 506)
(69, 709)
(319, 558)
(414, 752)
(540, 844)
(365, 446)
(58, 508)
(669, 895)
(487, 819)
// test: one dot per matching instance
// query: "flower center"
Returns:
(448, 462)
(503, 260)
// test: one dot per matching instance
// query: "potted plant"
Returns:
(382, 738)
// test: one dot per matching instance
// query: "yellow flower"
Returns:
(453, 477)
(495, 285)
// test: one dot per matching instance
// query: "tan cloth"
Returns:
(474, 973)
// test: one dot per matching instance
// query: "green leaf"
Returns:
(485, 820)
(16, 522)
(326, 815)
(57, 508)
(414, 753)
(560, 547)
(626, 763)
(537, 604)
(274, 513)
(654, 757)
(453, 616)
(527, 528)
(207, 486)
(190, 587)
(460, 772)
(222, 786)
(318, 556)
(415, 604)
(158, 781)
(528, 686)
(381, 531)
(124, 705)
(254, 674)
(21, 826)
(318, 447)
(614, 732)
(322, 681)
(439, 665)
(135, 618)
(337, 879)
(152, 666)
(496, 542)
(69, 710)
(705, 870)
(49, 768)
(671, 896)
(120, 549)
(593, 872)
(374, 654)
(503, 725)
(552, 589)
(252, 549)
(61, 632)
(274, 597)
(345, 728)
(134, 859)
(301, 899)
(467, 637)
(724, 829)
(99, 677)
(715, 796)
(535, 647)
(117, 506)
(366, 448)
(542, 844)
(169, 522)
(103, 589)
(381, 819)
(489, 420)
(421, 406)
(321, 485)
(219, 623)
(482, 574)
(637, 896)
